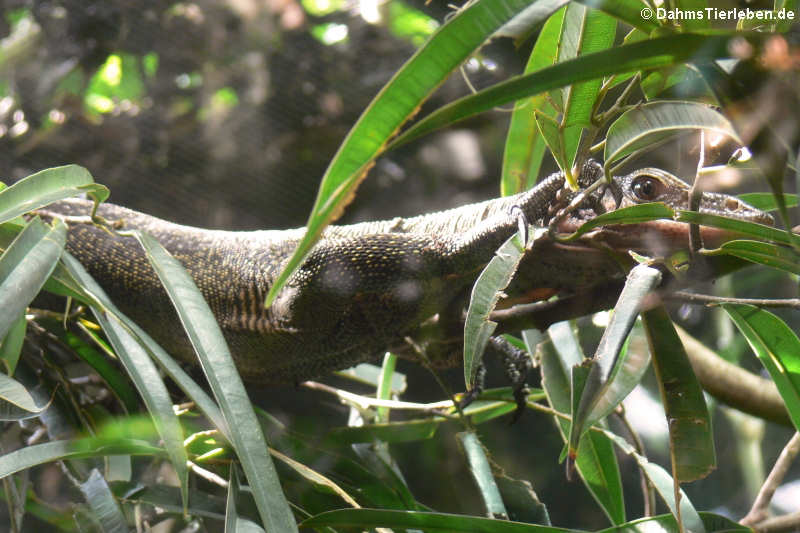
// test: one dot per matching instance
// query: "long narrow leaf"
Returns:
(206, 337)
(429, 522)
(48, 452)
(142, 372)
(646, 124)
(594, 31)
(649, 54)
(764, 253)
(691, 439)
(25, 266)
(482, 474)
(47, 186)
(777, 346)
(596, 462)
(397, 102)
(98, 299)
(485, 293)
(663, 484)
(105, 509)
(524, 148)
(598, 398)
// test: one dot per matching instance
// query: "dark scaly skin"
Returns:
(363, 288)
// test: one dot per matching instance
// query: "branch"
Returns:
(734, 385)
(725, 381)
(694, 298)
(757, 517)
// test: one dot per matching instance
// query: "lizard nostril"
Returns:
(732, 204)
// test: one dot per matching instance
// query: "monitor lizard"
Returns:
(366, 287)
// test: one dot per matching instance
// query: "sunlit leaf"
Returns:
(47, 186)
(25, 266)
(763, 253)
(649, 123)
(648, 54)
(524, 148)
(396, 103)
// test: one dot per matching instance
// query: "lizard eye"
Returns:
(647, 188)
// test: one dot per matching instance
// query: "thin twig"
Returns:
(712, 300)
(758, 512)
(787, 522)
(207, 474)
(695, 194)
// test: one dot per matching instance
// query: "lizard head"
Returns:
(656, 185)
(661, 237)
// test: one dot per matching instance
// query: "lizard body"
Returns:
(365, 286)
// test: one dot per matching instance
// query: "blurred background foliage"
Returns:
(226, 113)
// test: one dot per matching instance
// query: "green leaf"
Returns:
(25, 266)
(691, 439)
(105, 510)
(59, 450)
(628, 11)
(777, 346)
(429, 522)
(233, 522)
(763, 253)
(607, 384)
(485, 293)
(482, 474)
(151, 387)
(766, 201)
(524, 148)
(215, 358)
(749, 229)
(596, 462)
(591, 31)
(649, 123)
(141, 370)
(392, 432)
(47, 186)
(118, 384)
(549, 130)
(664, 485)
(693, 6)
(634, 214)
(90, 291)
(649, 54)
(16, 403)
(397, 102)
(384, 388)
(11, 347)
